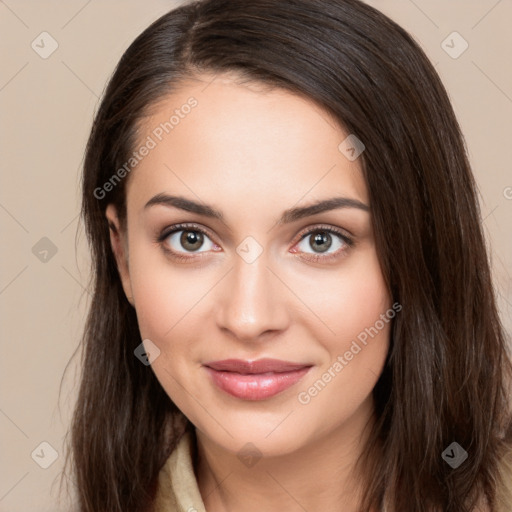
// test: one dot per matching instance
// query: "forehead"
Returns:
(215, 137)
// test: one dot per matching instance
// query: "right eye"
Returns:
(182, 239)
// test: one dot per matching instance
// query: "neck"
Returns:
(315, 477)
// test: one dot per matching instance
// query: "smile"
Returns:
(256, 380)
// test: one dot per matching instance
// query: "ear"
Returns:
(119, 243)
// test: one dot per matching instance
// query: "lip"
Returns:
(255, 380)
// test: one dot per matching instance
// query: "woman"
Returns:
(292, 305)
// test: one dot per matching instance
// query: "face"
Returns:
(239, 266)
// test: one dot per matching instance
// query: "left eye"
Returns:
(321, 240)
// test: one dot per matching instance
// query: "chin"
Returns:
(266, 433)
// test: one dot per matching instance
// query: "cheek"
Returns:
(348, 300)
(366, 298)
(166, 296)
(167, 305)
(356, 307)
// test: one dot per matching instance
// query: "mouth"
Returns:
(255, 380)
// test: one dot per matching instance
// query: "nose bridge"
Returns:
(251, 303)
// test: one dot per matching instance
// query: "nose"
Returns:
(251, 304)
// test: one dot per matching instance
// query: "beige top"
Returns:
(178, 490)
(177, 484)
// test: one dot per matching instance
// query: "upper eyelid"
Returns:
(183, 226)
(331, 229)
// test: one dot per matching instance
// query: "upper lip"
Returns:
(259, 366)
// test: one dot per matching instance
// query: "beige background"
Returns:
(47, 107)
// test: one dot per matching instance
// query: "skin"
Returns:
(253, 153)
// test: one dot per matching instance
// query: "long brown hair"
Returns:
(448, 372)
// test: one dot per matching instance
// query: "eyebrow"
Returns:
(291, 215)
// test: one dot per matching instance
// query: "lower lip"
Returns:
(256, 386)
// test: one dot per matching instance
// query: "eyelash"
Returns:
(311, 257)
